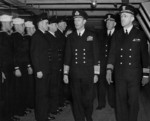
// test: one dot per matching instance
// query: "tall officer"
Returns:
(30, 30)
(128, 59)
(81, 63)
(55, 61)
(103, 90)
(40, 61)
(6, 49)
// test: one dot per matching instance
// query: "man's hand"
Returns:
(109, 76)
(18, 73)
(95, 78)
(145, 80)
(66, 80)
(3, 77)
(68, 32)
(30, 70)
(39, 74)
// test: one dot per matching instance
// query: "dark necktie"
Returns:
(109, 34)
(79, 34)
(126, 32)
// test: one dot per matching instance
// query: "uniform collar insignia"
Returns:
(123, 7)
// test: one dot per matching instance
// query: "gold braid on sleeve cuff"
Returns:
(110, 67)
(146, 72)
(96, 69)
(66, 69)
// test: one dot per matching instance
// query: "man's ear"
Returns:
(115, 23)
(84, 21)
(132, 19)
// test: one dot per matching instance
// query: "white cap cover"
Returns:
(5, 18)
(18, 21)
(29, 24)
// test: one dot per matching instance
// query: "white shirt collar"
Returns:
(52, 33)
(81, 32)
(111, 31)
(42, 31)
(60, 30)
(128, 29)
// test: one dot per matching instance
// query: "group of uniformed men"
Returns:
(116, 60)
(18, 89)
(16, 83)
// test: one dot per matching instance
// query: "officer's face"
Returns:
(63, 25)
(110, 24)
(52, 27)
(45, 25)
(79, 22)
(126, 19)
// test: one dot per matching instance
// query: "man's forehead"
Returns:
(127, 14)
(63, 22)
(78, 17)
(19, 24)
(110, 21)
(45, 21)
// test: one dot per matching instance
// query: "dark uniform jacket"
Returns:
(28, 44)
(129, 53)
(105, 44)
(39, 52)
(81, 54)
(62, 43)
(21, 47)
(55, 51)
(62, 37)
(6, 50)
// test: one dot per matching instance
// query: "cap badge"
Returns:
(124, 7)
(77, 13)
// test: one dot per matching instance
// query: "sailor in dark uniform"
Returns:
(128, 60)
(64, 89)
(103, 89)
(30, 30)
(41, 65)
(55, 60)
(6, 57)
(21, 63)
(81, 63)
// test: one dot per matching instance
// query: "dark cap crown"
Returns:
(62, 19)
(53, 19)
(80, 13)
(110, 17)
(41, 17)
(127, 9)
